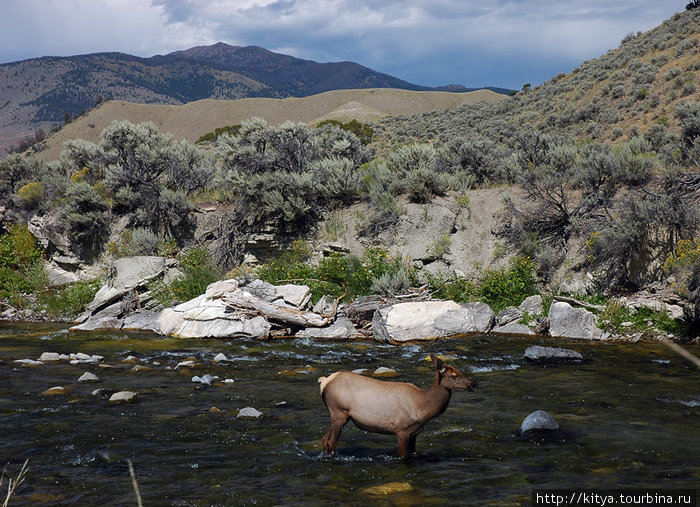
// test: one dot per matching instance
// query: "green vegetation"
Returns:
(213, 136)
(338, 275)
(21, 269)
(70, 300)
(508, 286)
(362, 131)
(199, 272)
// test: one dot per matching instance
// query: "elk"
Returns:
(395, 408)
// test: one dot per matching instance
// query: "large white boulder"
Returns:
(203, 317)
(430, 320)
(568, 322)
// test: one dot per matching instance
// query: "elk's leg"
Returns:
(412, 444)
(404, 444)
(330, 439)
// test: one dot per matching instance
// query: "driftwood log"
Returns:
(241, 299)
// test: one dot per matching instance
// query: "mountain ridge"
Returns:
(39, 93)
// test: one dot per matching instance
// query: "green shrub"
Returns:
(32, 194)
(86, 219)
(337, 275)
(508, 287)
(456, 289)
(199, 272)
(21, 268)
(71, 300)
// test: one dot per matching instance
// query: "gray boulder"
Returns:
(508, 315)
(341, 329)
(539, 420)
(531, 305)
(539, 354)
(568, 322)
(249, 413)
(125, 292)
(430, 320)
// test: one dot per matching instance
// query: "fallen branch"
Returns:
(244, 300)
(572, 301)
(135, 484)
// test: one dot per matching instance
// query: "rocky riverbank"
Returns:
(256, 309)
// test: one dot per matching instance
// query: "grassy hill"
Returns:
(190, 121)
(610, 98)
(39, 93)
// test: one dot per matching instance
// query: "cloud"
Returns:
(431, 42)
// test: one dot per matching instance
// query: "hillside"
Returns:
(190, 121)
(38, 93)
(610, 98)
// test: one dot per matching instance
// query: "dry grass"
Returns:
(190, 121)
(13, 484)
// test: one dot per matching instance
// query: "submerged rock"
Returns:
(249, 413)
(52, 357)
(123, 397)
(390, 488)
(88, 377)
(54, 391)
(539, 420)
(430, 320)
(385, 372)
(540, 354)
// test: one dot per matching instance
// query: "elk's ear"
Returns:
(438, 363)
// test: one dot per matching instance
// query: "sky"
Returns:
(474, 43)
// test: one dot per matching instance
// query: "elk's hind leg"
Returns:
(330, 439)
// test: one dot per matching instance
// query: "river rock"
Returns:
(28, 362)
(539, 354)
(249, 413)
(383, 371)
(55, 391)
(220, 288)
(538, 420)
(88, 377)
(263, 290)
(514, 328)
(341, 329)
(203, 317)
(508, 315)
(531, 305)
(220, 357)
(123, 397)
(298, 296)
(144, 320)
(430, 320)
(568, 322)
(126, 292)
(205, 379)
(50, 357)
(327, 305)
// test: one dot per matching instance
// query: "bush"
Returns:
(32, 194)
(199, 272)
(71, 300)
(86, 219)
(21, 267)
(508, 287)
(337, 275)
(456, 289)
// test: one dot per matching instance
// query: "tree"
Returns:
(692, 5)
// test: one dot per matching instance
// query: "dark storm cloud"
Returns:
(431, 42)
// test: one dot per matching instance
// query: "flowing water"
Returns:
(629, 417)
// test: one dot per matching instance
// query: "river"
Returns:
(629, 417)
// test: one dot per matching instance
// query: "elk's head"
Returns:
(451, 378)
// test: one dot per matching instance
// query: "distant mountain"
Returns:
(39, 93)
